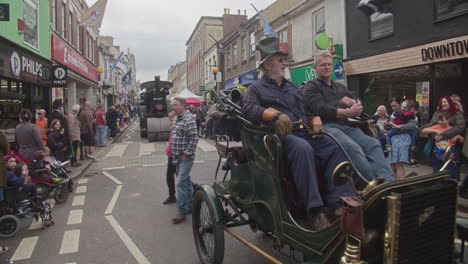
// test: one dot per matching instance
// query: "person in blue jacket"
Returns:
(20, 178)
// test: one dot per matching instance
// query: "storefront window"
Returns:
(30, 17)
(450, 8)
(381, 23)
(4, 86)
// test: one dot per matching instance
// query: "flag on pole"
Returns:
(221, 49)
(127, 78)
(93, 16)
(268, 31)
(115, 63)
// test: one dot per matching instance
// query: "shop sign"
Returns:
(23, 65)
(59, 74)
(447, 50)
(307, 73)
(248, 77)
(66, 55)
(4, 12)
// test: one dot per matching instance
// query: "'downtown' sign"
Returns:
(451, 49)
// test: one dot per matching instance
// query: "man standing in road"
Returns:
(334, 103)
(184, 138)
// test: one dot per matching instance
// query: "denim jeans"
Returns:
(184, 187)
(101, 135)
(365, 152)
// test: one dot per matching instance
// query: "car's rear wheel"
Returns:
(9, 226)
(208, 235)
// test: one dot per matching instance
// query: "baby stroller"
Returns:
(18, 204)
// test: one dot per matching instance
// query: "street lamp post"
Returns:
(215, 71)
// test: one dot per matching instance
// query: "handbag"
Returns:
(428, 147)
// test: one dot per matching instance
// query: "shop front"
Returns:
(305, 73)
(244, 79)
(25, 81)
(82, 80)
(424, 74)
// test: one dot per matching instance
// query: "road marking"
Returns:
(146, 149)
(83, 181)
(199, 161)
(70, 242)
(111, 205)
(113, 168)
(154, 165)
(25, 248)
(112, 177)
(205, 145)
(75, 217)
(117, 150)
(140, 258)
(38, 224)
(78, 200)
(81, 189)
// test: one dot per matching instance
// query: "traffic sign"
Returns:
(339, 70)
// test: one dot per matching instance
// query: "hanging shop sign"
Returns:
(66, 55)
(446, 50)
(59, 75)
(20, 64)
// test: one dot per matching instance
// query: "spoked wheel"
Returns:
(61, 194)
(9, 226)
(208, 235)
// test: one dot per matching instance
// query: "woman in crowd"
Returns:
(28, 137)
(399, 154)
(74, 133)
(381, 119)
(456, 122)
(56, 140)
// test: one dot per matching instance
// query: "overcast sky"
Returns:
(156, 31)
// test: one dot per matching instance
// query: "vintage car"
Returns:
(407, 221)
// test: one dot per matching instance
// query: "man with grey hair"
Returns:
(274, 99)
(87, 131)
(74, 133)
(334, 103)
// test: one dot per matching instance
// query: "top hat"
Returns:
(268, 47)
(57, 103)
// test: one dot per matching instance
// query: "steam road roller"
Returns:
(154, 120)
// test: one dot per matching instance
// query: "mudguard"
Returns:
(215, 201)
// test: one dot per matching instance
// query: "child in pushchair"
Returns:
(42, 170)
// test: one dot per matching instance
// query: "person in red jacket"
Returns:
(101, 127)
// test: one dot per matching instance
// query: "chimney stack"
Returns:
(238, 11)
(245, 12)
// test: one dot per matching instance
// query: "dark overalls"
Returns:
(303, 152)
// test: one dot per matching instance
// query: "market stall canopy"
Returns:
(194, 102)
(187, 94)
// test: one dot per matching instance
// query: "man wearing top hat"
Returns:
(278, 100)
(57, 113)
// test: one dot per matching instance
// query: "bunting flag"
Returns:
(268, 30)
(127, 78)
(116, 61)
(93, 16)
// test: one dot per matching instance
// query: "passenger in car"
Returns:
(334, 103)
(275, 99)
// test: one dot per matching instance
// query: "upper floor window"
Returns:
(252, 44)
(450, 8)
(243, 48)
(53, 16)
(284, 36)
(31, 20)
(228, 59)
(72, 32)
(62, 18)
(319, 26)
(234, 54)
(381, 23)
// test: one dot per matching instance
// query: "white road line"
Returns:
(146, 149)
(154, 165)
(205, 145)
(199, 161)
(113, 168)
(111, 205)
(117, 150)
(112, 177)
(70, 242)
(139, 257)
(78, 200)
(25, 248)
(81, 189)
(75, 217)
(83, 181)
(71, 263)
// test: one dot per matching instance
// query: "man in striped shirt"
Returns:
(184, 138)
